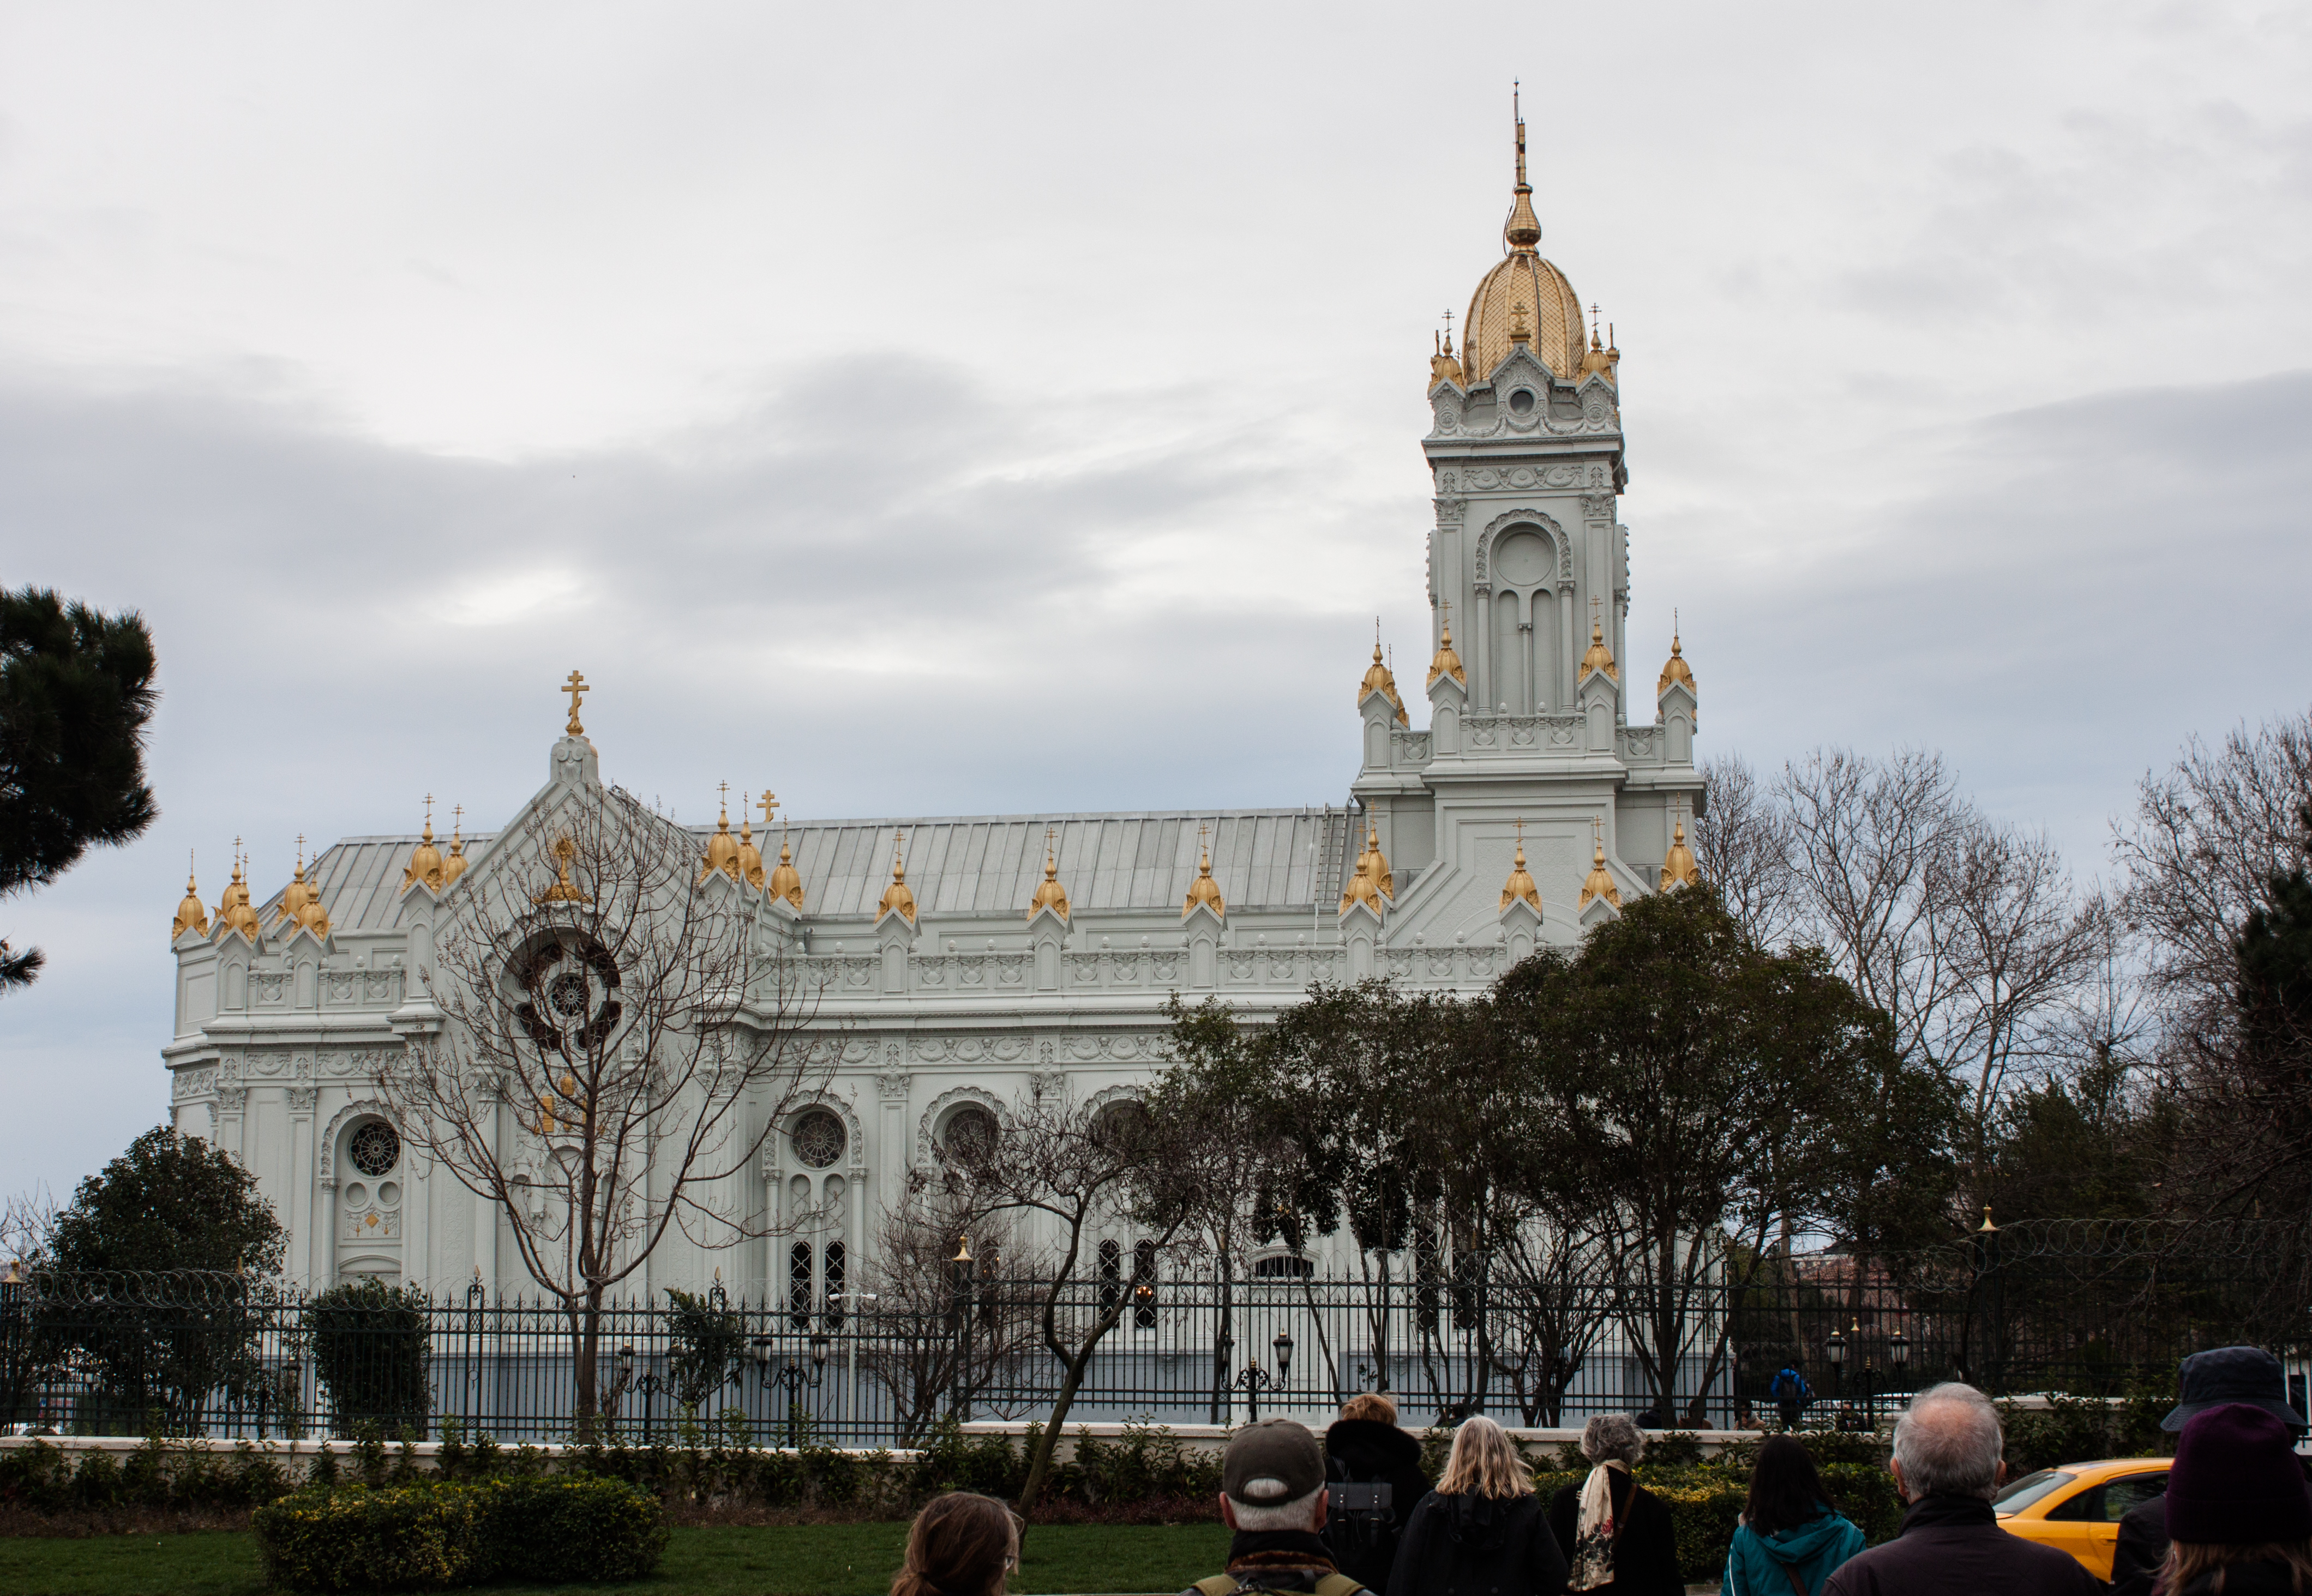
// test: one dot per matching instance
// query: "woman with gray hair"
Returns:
(1617, 1535)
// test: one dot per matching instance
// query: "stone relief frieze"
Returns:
(952, 1098)
(893, 1088)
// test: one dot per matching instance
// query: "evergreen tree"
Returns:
(75, 692)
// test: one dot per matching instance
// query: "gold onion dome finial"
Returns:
(1676, 669)
(1523, 281)
(425, 859)
(1520, 886)
(190, 915)
(751, 857)
(1448, 663)
(1380, 679)
(1203, 889)
(1600, 881)
(235, 913)
(1600, 657)
(454, 866)
(897, 899)
(786, 881)
(1599, 359)
(297, 894)
(1678, 868)
(1051, 894)
(721, 848)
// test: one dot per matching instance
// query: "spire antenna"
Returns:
(1517, 116)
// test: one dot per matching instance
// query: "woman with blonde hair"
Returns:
(959, 1545)
(1481, 1530)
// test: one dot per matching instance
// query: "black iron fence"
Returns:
(2083, 1311)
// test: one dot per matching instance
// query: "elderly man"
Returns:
(1273, 1495)
(1948, 1466)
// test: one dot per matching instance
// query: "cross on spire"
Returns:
(576, 687)
(722, 790)
(767, 802)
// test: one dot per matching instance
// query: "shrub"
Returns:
(373, 1354)
(435, 1536)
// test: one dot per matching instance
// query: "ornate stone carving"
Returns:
(1598, 507)
(1450, 511)
(326, 1143)
(231, 1100)
(893, 1088)
(952, 1098)
(1540, 520)
(302, 1098)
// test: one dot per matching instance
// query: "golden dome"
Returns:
(1600, 882)
(1447, 663)
(1677, 670)
(751, 857)
(1523, 295)
(312, 916)
(1521, 884)
(1443, 367)
(1051, 894)
(722, 849)
(1203, 889)
(235, 911)
(1377, 864)
(1600, 657)
(454, 866)
(190, 915)
(897, 899)
(1677, 866)
(1380, 679)
(1599, 359)
(786, 882)
(425, 859)
(296, 895)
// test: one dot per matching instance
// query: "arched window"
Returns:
(1111, 1275)
(1282, 1266)
(836, 1258)
(969, 1136)
(799, 1286)
(1143, 1298)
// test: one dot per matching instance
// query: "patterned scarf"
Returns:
(1594, 1530)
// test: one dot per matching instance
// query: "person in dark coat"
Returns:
(1617, 1535)
(1946, 1467)
(1481, 1531)
(1365, 1447)
(2236, 1509)
(2204, 1380)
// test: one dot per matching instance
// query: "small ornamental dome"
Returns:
(1443, 367)
(1523, 301)
(1380, 679)
(1599, 359)
(722, 852)
(1677, 670)
(425, 859)
(235, 914)
(751, 857)
(1600, 657)
(1361, 887)
(190, 915)
(786, 882)
(1520, 886)
(296, 895)
(1677, 866)
(313, 917)
(454, 866)
(897, 899)
(1051, 894)
(1448, 663)
(1377, 864)
(1600, 882)
(1203, 889)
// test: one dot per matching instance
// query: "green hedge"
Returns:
(1706, 1500)
(435, 1536)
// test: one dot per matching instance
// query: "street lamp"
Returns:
(1836, 1347)
(1283, 1344)
(963, 1273)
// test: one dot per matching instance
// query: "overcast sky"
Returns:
(953, 409)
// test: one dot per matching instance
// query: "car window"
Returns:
(2029, 1490)
(2130, 1491)
(2084, 1508)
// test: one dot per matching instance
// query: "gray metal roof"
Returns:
(988, 864)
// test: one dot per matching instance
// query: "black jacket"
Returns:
(1478, 1546)
(1953, 1546)
(2142, 1548)
(1645, 1551)
(1368, 1450)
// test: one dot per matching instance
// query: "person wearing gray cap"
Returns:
(2204, 1380)
(1273, 1495)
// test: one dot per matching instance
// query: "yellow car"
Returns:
(2077, 1507)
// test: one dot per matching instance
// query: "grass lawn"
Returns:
(786, 1560)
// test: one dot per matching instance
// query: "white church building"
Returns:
(1544, 784)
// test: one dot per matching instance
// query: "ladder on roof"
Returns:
(1333, 855)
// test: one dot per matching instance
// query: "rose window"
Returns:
(820, 1138)
(374, 1148)
(970, 1136)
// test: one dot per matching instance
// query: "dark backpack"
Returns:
(1790, 1386)
(1360, 1518)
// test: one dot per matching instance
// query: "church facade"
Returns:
(1548, 784)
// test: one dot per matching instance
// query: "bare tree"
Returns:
(622, 1036)
(1742, 847)
(939, 1342)
(1073, 1169)
(28, 1222)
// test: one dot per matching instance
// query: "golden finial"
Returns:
(1596, 360)
(751, 857)
(1600, 657)
(767, 802)
(454, 866)
(1051, 894)
(1520, 330)
(1203, 889)
(1677, 670)
(235, 913)
(190, 915)
(897, 899)
(1600, 882)
(297, 893)
(577, 689)
(1379, 678)
(564, 890)
(721, 848)
(786, 882)
(1520, 883)
(425, 859)
(1678, 866)
(1372, 882)
(1522, 230)
(1447, 663)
